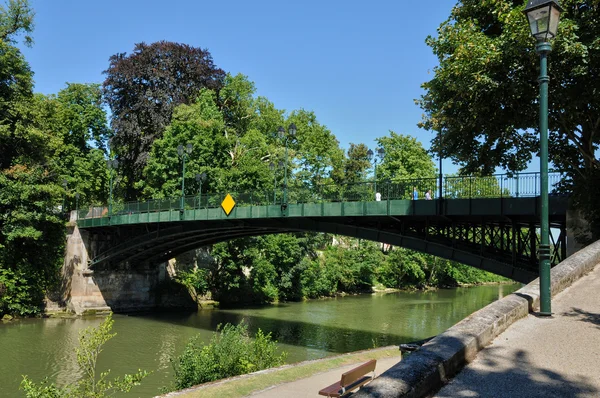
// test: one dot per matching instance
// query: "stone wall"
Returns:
(124, 288)
(425, 371)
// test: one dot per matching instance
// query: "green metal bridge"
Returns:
(486, 222)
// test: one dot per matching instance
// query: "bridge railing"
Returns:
(453, 187)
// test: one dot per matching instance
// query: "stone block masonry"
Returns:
(425, 371)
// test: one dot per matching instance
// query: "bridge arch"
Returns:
(457, 241)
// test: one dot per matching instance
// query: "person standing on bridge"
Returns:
(428, 194)
(378, 196)
(415, 194)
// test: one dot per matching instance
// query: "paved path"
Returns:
(542, 357)
(310, 386)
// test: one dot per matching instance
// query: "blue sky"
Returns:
(357, 65)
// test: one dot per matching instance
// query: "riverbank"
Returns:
(280, 381)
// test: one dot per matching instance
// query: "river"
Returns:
(306, 330)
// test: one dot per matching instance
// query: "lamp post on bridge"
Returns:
(380, 153)
(286, 137)
(272, 168)
(112, 165)
(183, 152)
(77, 205)
(543, 16)
(200, 178)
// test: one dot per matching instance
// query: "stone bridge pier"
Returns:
(126, 288)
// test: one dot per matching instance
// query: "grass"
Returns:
(247, 384)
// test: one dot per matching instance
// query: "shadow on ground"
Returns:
(516, 377)
(584, 316)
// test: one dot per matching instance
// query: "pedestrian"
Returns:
(428, 194)
(378, 197)
(415, 193)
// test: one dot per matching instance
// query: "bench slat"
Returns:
(333, 390)
(351, 380)
(352, 375)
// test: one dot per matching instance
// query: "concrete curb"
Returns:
(425, 371)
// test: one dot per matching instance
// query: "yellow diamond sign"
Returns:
(228, 204)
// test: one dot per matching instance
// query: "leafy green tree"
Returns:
(230, 352)
(17, 139)
(229, 283)
(142, 90)
(457, 186)
(315, 151)
(91, 385)
(483, 96)
(16, 17)
(76, 117)
(31, 229)
(404, 158)
(403, 268)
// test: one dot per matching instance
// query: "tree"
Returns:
(91, 341)
(31, 230)
(356, 166)
(142, 90)
(77, 118)
(483, 96)
(16, 18)
(16, 92)
(404, 158)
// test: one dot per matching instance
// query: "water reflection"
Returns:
(306, 330)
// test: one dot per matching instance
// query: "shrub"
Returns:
(231, 352)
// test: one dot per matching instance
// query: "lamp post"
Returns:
(441, 176)
(183, 152)
(380, 153)
(543, 16)
(200, 178)
(272, 168)
(77, 205)
(290, 135)
(112, 165)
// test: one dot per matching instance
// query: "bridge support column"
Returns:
(123, 288)
(82, 294)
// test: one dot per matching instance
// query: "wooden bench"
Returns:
(351, 380)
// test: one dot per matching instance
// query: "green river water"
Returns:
(306, 330)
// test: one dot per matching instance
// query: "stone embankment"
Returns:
(425, 371)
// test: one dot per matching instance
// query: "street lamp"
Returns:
(200, 178)
(183, 151)
(272, 168)
(112, 165)
(380, 153)
(77, 205)
(543, 16)
(290, 135)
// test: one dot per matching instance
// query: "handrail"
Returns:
(453, 187)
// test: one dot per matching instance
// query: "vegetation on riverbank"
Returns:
(295, 267)
(249, 384)
(231, 352)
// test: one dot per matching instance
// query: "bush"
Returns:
(19, 294)
(231, 352)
